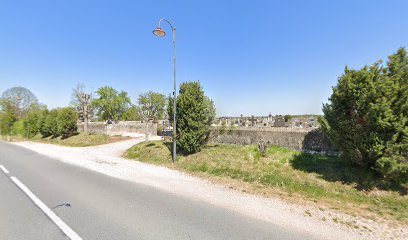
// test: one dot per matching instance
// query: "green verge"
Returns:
(318, 179)
(80, 140)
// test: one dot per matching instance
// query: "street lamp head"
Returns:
(159, 32)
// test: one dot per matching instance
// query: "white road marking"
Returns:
(4, 169)
(64, 227)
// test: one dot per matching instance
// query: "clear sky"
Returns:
(252, 57)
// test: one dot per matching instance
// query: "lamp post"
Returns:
(159, 32)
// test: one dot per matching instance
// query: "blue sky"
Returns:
(252, 57)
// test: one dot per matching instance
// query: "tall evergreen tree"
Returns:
(195, 113)
(367, 116)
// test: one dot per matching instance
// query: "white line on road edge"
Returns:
(64, 227)
(4, 169)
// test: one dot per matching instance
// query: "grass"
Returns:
(319, 180)
(79, 140)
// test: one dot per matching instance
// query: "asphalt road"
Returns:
(101, 207)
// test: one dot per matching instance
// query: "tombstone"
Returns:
(262, 148)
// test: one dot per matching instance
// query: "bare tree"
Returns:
(81, 100)
(21, 97)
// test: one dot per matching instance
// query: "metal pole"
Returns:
(175, 98)
(175, 83)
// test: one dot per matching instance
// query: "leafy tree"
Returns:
(111, 104)
(367, 117)
(82, 102)
(151, 105)
(66, 122)
(8, 115)
(132, 114)
(21, 97)
(287, 117)
(194, 114)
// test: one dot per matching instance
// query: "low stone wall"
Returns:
(309, 140)
(119, 128)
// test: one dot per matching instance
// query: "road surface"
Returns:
(96, 206)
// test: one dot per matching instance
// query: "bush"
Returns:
(393, 169)
(232, 129)
(32, 122)
(195, 112)
(367, 117)
(223, 128)
(58, 122)
(18, 128)
(41, 123)
(50, 128)
(66, 122)
(8, 115)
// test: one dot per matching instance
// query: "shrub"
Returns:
(232, 129)
(66, 122)
(8, 115)
(32, 122)
(50, 127)
(41, 123)
(18, 128)
(393, 168)
(367, 117)
(223, 128)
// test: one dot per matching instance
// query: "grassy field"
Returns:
(313, 179)
(80, 140)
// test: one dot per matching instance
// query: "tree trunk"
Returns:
(86, 125)
(86, 119)
(147, 131)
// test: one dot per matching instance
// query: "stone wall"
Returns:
(309, 140)
(119, 128)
